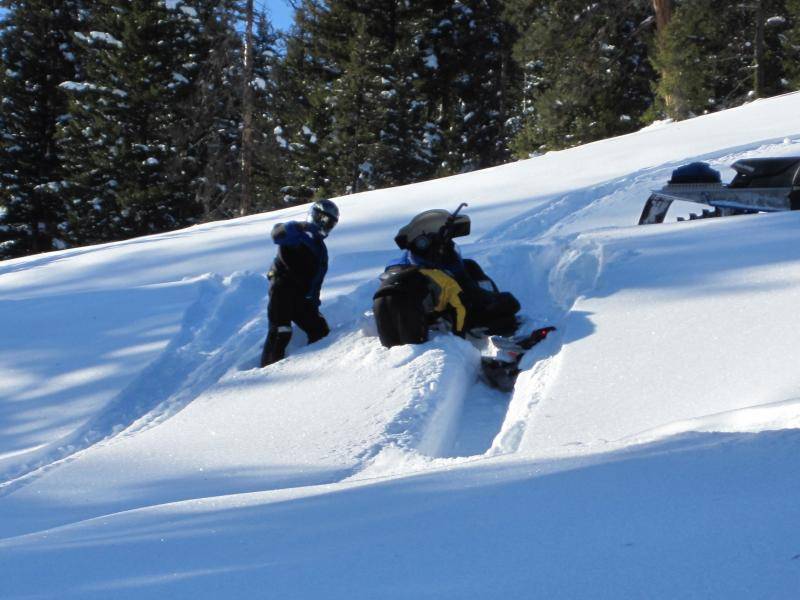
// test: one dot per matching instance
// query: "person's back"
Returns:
(296, 279)
(302, 256)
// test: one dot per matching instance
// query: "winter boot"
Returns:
(275, 345)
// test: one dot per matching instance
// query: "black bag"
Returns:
(400, 306)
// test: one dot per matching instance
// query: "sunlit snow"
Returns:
(649, 449)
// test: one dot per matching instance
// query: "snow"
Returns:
(312, 137)
(52, 186)
(278, 132)
(431, 60)
(75, 86)
(648, 449)
(105, 37)
(189, 11)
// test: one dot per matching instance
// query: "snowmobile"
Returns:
(760, 185)
(401, 317)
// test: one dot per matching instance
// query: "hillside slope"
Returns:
(649, 445)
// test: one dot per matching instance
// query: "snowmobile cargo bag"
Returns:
(431, 222)
(399, 306)
(696, 172)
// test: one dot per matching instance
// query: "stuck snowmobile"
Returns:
(760, 185)
(432, 287)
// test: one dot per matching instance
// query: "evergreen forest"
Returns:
(121, 118)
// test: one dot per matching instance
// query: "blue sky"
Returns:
(279, 11)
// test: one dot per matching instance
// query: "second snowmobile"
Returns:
(760, 185)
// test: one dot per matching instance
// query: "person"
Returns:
(431, 281)
(296, 279)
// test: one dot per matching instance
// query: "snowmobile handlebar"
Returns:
(447, 229)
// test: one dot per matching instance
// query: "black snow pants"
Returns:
(288, 304)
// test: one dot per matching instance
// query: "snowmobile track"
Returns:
(221, 325)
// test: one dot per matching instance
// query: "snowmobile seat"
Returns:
(766, 172)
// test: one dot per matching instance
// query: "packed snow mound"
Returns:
(136, 427)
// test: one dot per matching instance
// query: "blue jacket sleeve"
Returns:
(288, 234)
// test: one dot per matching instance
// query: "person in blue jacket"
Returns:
(296, 279)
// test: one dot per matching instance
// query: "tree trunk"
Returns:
(247, 115)
(758, 52)
(663, 10)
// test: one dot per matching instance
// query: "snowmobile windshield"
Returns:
(430, 224)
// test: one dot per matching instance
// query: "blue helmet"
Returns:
(324, 214)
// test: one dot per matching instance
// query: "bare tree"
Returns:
(247, 114)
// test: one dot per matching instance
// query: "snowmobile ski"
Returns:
(501, 371)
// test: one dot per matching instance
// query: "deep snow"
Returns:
(648, 449)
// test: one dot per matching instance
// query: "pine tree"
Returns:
(436, 53)
(271, 158)
(339, 94)
(37, 55)
(303, 120)
(713, 57)
(354, 109)
(479, 135)
(404, 152)
(128, 175)
(213, 104)
(390, 92)
(586, 70)
(776, 58)
(467, 76)
(790, 41)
